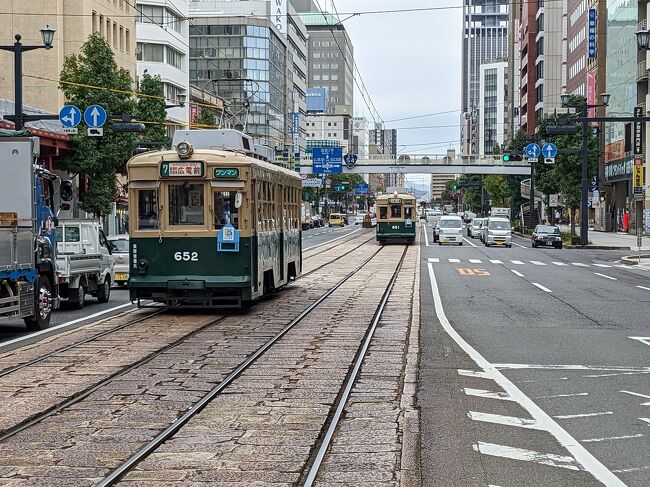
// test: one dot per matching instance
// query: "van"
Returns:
(497, 232)
(336, 219)
(451, 230)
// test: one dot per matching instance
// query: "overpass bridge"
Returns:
(430, 164)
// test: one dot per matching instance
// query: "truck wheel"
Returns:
(43, 303)
(77, 297)
(104, 291)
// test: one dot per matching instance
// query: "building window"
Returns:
(128, 41)
(174, 58)
(151, 14)
(122, 4)
(108, 31)
(121, 38)
(150, 52)
(114, 34)
(94, 21)
(316, 77)
(101, 25)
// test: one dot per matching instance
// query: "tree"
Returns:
(98, 157)
(205, 119)
(151, 109)
(497, 187)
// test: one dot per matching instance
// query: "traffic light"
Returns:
(127, 127)
(454, 186)
(509, 156)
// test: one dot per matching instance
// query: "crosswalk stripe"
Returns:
(602, 265)
(560, 263)
(454, 261)
(536, 262)
(475, 261)
(495, 261)
(434, 259)
(517, 262)
(579, 264)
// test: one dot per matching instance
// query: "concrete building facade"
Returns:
(494, 120)
(329, 130)
(74, 21)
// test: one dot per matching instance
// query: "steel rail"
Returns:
(116, 474)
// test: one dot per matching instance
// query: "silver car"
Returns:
(497, 232)
(121, 254)
(451, 230)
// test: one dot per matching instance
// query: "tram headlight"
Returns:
(143, 264)
(184, 150)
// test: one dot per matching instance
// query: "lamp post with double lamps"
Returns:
(584, 151)
(47, 34)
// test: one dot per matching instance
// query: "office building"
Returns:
(384, 139)
(74, 21)
(514, 67)
(485, 39)
(296, 79)
(329, 130)
(360, 137)
(494, 118)
(162, 34)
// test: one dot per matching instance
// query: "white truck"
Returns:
(306, 222)
(502, 212)
(84, 264)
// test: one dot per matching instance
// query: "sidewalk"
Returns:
(612, 239)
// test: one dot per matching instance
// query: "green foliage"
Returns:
(497, 187)
(151, 108)
(446, 194)
(98, 157)
(205, 117)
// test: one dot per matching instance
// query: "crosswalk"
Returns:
(438, 260)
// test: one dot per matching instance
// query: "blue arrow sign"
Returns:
(532, 150)
(549, 150)
(70, 116)
(95, 116)
(327, 160)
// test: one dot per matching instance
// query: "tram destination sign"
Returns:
(226, 172)
(394, 201)
(194, 169)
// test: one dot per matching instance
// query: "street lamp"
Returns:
(180, 98)
(643, 40)
(47, 34)
(584, 209)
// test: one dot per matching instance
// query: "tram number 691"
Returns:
(186, 256)
(395, 227)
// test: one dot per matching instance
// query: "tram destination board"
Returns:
(226, 172)
(169, 169)
(395, 201)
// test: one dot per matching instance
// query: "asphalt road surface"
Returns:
(321, 235)
(535, 367)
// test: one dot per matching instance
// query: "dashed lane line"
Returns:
(519, 245)
(603, 265)
(583, 415)
(538, 285)
(516, 273)
(454, 261)
(517, 262)
(579, 264)
(495, 261)
(537, 262)
(470, 242)
(643, 287)
(475, 261)
(606, 276)
(580, 459)
(612, 438)
(557, 396)
(560, 264)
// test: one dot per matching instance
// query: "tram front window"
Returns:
(186, 204)
(383, 212)
(396, 211)
(147, 209)
(224, 209)
(408, 213)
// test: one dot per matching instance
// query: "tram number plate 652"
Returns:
(186, 256)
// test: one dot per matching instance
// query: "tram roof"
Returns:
(386, 197)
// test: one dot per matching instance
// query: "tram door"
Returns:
(281, 203)
(255, 227)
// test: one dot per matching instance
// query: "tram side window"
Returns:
(147, 209)
(408, 213)
(396, 211)
(186, 204)
(224, 209)
(383, 212)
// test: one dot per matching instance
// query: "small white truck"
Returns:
(84, 264)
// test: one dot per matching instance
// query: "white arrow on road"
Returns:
(94, 114)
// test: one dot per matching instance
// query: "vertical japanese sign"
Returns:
(296, 132)
(637, 178)
(591, 93)
(279, 8)
(591, 33)
(638, 132)
(194, 112)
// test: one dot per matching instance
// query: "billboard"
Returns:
(280, 15)
(316, 99)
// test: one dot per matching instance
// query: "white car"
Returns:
(451, 230)
(120, 249)
(497, 232)
(474, 228)
(358, 219)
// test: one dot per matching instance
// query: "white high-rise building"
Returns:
(360, 137)
(494, 119)
(162, 34)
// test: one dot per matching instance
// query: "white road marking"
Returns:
(8, 343)
(606, 276)
(643, 287)
(516, 273)
(470, 242)
(517, 262)
(602, 265)
(426, 237)
(604, 368)
(611, 438)
(504, 420)
(624, 266)
(644, 340)
(638, 395)
(538, 285)
(594, 376)
(435, 260)
(562, 264)
(454, 261)
(647, 420)
(519, 245)
(475, 261)
(333, 240)
(635, 469)
(579, 264)
(536, 262)
(584, 459)
(583, 415)
(495, 261)
(553, 396)
(545, 380)
(513, 453)
(473, 373)
(487, 394)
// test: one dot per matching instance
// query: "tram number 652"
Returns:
(186, 256)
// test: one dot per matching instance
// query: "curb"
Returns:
(596, 247)
(634, 259)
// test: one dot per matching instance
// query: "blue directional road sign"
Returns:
(549, 150)
(70, 116)
(361, 189)
(532, 150)
(95, 116)
(327, 160)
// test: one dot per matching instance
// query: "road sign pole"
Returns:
(584, 210)
(533, 215)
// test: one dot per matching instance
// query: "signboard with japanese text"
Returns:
(637, 179)
(312, 183)
(170, 169)
(638, 132)
(327, 160)
(591, 34)
(226, 172)
(619, 170)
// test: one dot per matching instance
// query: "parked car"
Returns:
(497, 232)
(317, 221)
(547, 236)
(436, 231)
(120, 249)
(451, 230)
(336, 219)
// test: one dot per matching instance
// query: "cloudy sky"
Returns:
(410, 63)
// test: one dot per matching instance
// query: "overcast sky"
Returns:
(410, 63)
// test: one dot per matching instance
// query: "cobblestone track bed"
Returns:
(368, 445)
(262, 429)
(88, 438)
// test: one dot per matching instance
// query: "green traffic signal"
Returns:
(454, 187)
(506, 157)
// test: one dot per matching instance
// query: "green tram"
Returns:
(210, 227)
(396, 217)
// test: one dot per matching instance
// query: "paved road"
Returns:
(317, 236)
(535, 367)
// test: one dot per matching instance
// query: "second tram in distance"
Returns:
(395, 218)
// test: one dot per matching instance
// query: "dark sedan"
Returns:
(547, 236)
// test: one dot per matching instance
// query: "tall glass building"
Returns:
(244, 61)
